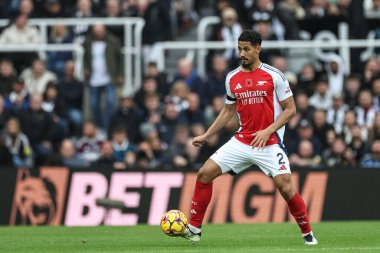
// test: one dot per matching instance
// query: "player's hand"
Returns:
(199, 140)
(260, 138)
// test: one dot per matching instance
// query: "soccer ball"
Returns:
(173, 223)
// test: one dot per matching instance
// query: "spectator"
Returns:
(129, 117)
(150, 152)
(376, 93)
(18, 144)
(321, 13)
(351, 91)
(37, 77)
(145, 157)
(194, 113)
(321, 127)
(113, 10)
(56, 60)
(69, 157)
(152, 109)
(283, 23)
(215, 83)
(158, 147)
(294, 7)
(27, 8)
(372, 9)
(358, 145)
(186, 15)
(149, 87)
(375, 130)
(187, 73)
(305, 131)
(349, 122)
(169, 121)
(38, 126)
(178, 95)
(322, 98)
(54, 9)
(89, 145)
(339, 155)
(175, 157)
(163, 86)
(330, 138)
(83, 10)
(121, 144)
(228, 31)
(106, 159)
(279, 62)
(365, 111)
(70, 90)
(18, 98)
(56, 107)
(20, 33)
(372, 159)
(335, 73)
(306, 79)
(304, 111)
(335, 114)
(305, 157)
(158, 26)
(7, 75)
(371, 71)
(103, 69)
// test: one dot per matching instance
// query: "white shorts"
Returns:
(235, 156)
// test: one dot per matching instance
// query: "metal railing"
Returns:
(43, 47)
(203, 25)
(132, 38)
(327, 40)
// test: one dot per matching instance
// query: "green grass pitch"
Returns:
(232, 238)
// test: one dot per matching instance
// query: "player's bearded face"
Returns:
(248, 54)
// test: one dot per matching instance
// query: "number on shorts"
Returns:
(280, 161)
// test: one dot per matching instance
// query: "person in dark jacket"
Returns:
(38, 126)
(103, 70)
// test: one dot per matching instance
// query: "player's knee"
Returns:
(286, 191)
(204, 176)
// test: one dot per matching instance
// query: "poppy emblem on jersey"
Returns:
(248, 82)
(261, 82)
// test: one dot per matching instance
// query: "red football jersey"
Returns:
(257, 94)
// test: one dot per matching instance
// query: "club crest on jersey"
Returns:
(260, 83)
(248, 82)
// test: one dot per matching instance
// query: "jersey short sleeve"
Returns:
(282, 88)
(230, 97)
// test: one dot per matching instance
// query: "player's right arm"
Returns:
(225, 115)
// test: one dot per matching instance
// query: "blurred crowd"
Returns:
(43, 119)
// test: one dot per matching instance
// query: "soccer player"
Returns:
(261, 96)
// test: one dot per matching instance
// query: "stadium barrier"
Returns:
(132, 50)
(61, 196)
(321, 41)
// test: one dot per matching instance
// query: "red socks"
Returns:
(298, 210)
(201, 199)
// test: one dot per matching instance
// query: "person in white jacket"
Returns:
(20, 33)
